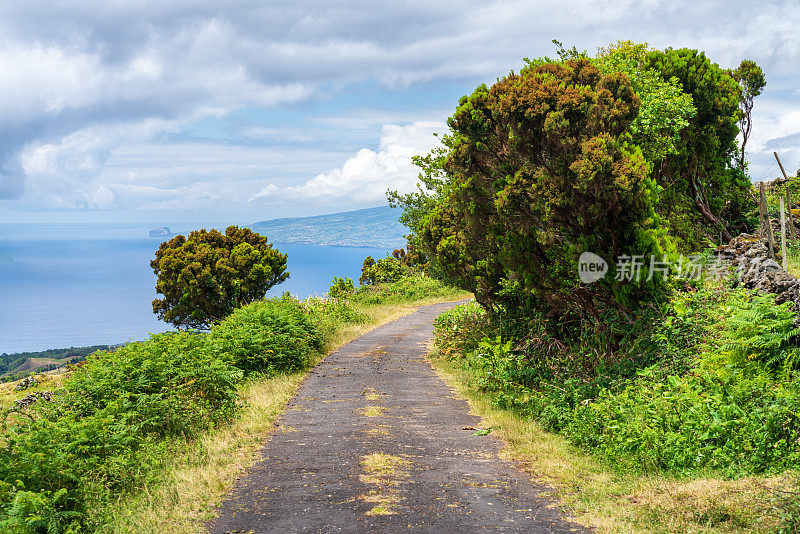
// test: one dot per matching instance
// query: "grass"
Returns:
(202, 472)
(793, 260)
(600, 496)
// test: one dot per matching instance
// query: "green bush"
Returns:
(406, 289)
(172, 383)
(723, 410)
(382, 271)
(204, 277)
(673, 335)
(736, 424)
(106, 432)
(37, 512)
(341, 287)
(459, 330)
(270, 336)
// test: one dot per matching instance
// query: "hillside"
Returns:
(22, 363)
(372, 227)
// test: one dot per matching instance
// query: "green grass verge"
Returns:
(600, 495)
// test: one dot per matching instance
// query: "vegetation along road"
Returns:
(374, 441)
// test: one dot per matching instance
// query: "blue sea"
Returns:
(81, 285)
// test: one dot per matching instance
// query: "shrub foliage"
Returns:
(122, 413)
(108, 430)
(209, 274)
(382, 271)
(630, 152)
(269, 336)
(722, 410)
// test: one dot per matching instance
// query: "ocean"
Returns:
(81, 285)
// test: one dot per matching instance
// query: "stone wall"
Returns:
(748, 254)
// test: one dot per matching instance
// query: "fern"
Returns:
(758, 330)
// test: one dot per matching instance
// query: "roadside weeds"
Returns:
(609, 501)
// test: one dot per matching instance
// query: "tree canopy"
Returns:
(704, 189)
(206, 276)
(539, 168)
(665, 110)
(381, 271)
(630, 152)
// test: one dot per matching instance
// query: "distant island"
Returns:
(161, 232)
(371, 227)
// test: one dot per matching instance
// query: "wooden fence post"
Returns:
(792, 231)
(783, 237)
(781, 166)
(767, 222)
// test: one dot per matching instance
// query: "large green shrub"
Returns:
(538, 169)
(172, 381)
(341, 287)
(632, 151)
(269, 336)
(106, 432)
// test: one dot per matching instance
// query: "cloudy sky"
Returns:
(231, 112)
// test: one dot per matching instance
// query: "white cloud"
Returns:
(40, 80)
(774, 122)
(366, 176)
(265, 192)
(776, 128)
(121, 167)
(92, 92)
(65, 174)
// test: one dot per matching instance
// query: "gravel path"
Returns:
(374, 442)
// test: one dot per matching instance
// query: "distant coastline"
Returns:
(366, 228)
(49, 271)
(18, 364)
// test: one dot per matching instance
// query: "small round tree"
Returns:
(209, 274)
